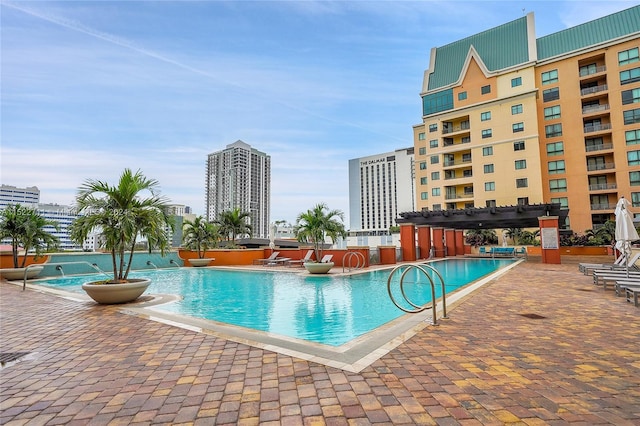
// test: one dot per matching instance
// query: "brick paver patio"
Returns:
(539, 345)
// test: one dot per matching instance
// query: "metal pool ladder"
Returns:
(346, 260)
(422, 267)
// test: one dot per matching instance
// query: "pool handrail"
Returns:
(420, 267)
(346, 260)
(83, 262)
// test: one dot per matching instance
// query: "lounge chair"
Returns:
(586, 268)
(306, 258)
(623, 284)
(271, 258)
(609, 277)
(326, 258)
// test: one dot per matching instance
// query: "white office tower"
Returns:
(28, 197)
(240, 177)
(380, 188)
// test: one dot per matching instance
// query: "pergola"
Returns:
(520, 216)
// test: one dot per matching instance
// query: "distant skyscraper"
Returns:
(29, 197)
(240, 177)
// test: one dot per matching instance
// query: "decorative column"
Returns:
(450, 242)
(438, 242)
(387, 255)
(459, 242)
(550, 239)
(424, 241)
(408, 241)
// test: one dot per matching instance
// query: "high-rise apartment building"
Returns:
(28, 197)
(510, 119)
(239, 176)
(381, 187)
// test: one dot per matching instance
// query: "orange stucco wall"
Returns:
(6, 260)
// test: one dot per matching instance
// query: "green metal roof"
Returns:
(590, 33)
(500, 47)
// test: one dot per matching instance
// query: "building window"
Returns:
(489, 186)
(551, 113)
(632, 137)
(522, 183)
(556, 167)
(549, 77)
(435, 175)
(551, 94)
(433, 128)
(635, 199)
(433, 143)
(487, 133)
(487, 150)
(523, 201)
(518, 146)
(462, 96)
(435, 159)
(516, 109)
(555, 148)
(520, 164)
(485, 89)
(634, 178)
(435, 192)
(422, 150)
(424, 195)
(484, 116)
(633, 158)
(630, 76)
(631, 96)
(488, 168)
(490, 203)
(421, 136)
(423, 165)
(436, 207)
(558, 185)
(628, 56)
(515, 82)
(423, 180)
(553, 130)
(632, 116)
(563, 201)
(588, 70)
(517, 127)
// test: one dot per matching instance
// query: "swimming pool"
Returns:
(329, 310)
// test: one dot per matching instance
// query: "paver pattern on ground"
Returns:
(539, 345)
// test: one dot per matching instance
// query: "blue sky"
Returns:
(90, 88)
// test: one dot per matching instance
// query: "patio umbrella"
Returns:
(625, 230)
(272, 235)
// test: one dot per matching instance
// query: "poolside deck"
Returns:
(538, 345)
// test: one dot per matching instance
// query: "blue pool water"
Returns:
(331, 310)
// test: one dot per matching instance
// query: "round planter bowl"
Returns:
(201, 262)
(14, 274)
(109, 294)
(318, 268)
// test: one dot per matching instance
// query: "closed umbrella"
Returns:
(625, 231)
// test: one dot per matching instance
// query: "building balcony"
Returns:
(460, 162)
(590, 72)
(600, 166)
(603, 187)
(606, 206)
(597, 127)
(466, 195)
(599, 147)
(593, 109)
(594, 90)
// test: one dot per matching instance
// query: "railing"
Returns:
(600, 166)
(599, 147)
(346, 260)
(594, 89)
(457, 197)
(596, 127)
(452, 129)
(417, 308)
(606, 206)
(590, 71)
(602, 186)
(594, 108)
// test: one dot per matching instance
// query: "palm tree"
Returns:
(314, 225)
(121, 214)
(26, 227)
(233, 223)
(200, 235)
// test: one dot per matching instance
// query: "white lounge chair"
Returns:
(618, 265)
(326, 258)
(271, 258)
(306, 258)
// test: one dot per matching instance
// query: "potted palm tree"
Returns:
(233, 223)
(121, 214)
(313, 227)
(25, 228)
(200, 235)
